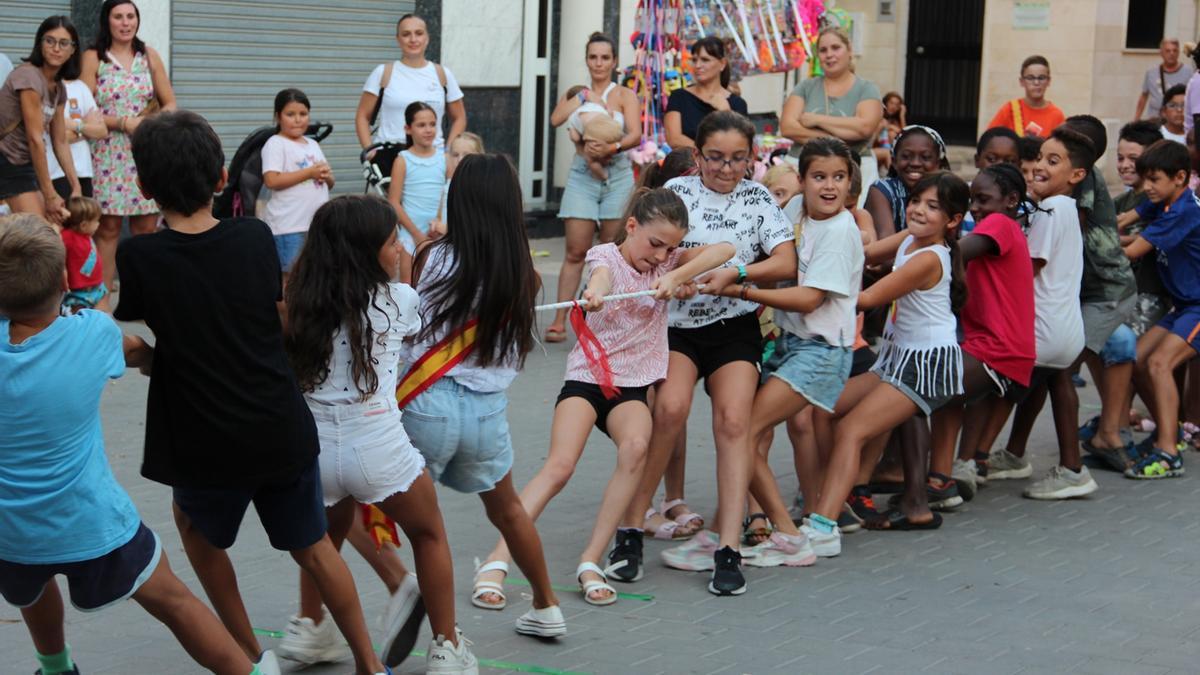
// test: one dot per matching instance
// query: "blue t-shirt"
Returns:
(59, 501)
(1175, 231)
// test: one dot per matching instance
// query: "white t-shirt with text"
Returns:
(829, 258)
(291, 210)
(406, 86)
(79, 103)
(1058, 320)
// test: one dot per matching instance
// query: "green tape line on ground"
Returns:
(519, 667)
(573, 589)
(268, 633)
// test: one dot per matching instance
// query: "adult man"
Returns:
(1160, 78)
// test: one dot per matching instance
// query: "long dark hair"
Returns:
(679, 162)
(954, 197)
(104, 40)
(493, 280)
(70, 69)
(714, 47)
(334, 284)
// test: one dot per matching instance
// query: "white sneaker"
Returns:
(544, 623)
(402, 622)
(695, 554)
(783, 549)
(1003, 465)
(444, 657)
(824, 544)
(966, 477)
(1063, 483)
(308, 643)
(267, 663)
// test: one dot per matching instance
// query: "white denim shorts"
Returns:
(365, 452)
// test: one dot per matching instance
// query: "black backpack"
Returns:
(245, 171)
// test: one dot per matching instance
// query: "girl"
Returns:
(783, 183)
(467, 143)
(84, 276)
(295, 171)
(347, 320)
(479, 281)
(717, 339)
(678, 162)
(917, 151)
(634, 333)
(418, 176)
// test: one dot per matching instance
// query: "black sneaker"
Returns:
(945, 498)
(625, 560)
(727, 576)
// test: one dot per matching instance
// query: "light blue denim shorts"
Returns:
(463, 435)
(288, 247)
(589, 198)
(812, 368)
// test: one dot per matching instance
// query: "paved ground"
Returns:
(1102, 585)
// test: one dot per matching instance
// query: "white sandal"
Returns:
(665, 530)
(484, 587)
(589, 586)
(684, 518)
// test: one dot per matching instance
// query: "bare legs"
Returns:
(579, 236)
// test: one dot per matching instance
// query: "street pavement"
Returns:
(1107, 584)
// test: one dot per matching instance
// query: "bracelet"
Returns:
(78, 127)
(121, 124)
(745, 292)
(741, 273)
(616, 148)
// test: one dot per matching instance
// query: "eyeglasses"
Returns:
(61, 44)
(1036, 79)
(1173, 106)
(718, 163)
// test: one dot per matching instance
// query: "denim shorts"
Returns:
(1121, 347)
(94, 584)
(812, 368)
(463, 435)
(18, 179)
(288, 246)
(365, 452)
(589, 198)
(1101, 319)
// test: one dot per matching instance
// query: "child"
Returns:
(348, 372)
(634, 334)
(1172, 114)
(61, 510)
(295, 170)
(996, 145)
(783, 182)
(917, 151)
(477, 286)
(226, 424)
(466, 143)
(1174, 230)
(1153, 300)
(678, 162)
(1031, 115)
(591, 122)
(418, 175)
(1030, 149)
(85, 278)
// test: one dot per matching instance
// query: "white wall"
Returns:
(155, 29)
(580, 18)
(483, 40)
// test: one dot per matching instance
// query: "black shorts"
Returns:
(603, 406)
(1040, 375)
(63, 187)
(292, 511)
(94, 584)
(720, 343)
(16, 179)
(864, 358)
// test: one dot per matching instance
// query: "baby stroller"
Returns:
(378, 169)
(240, 196)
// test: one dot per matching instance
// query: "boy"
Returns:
(1033, 114)
(1173, 215)
(1172, 114)
(1029, 149)
(61, 509)
(1153, 301)
(226, 424)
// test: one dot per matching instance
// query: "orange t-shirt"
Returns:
(1035, 121)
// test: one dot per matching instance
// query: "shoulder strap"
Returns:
(441, 73)
(609, 88)
(387, 77)
(1018, 120)
(1162, 81)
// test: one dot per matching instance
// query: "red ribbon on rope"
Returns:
(593, 352)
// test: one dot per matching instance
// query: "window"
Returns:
(1144, 22)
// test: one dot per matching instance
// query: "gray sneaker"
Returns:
(1003, 465)
(1063, 483)
(965, 475)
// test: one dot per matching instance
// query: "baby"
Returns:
(591, 122)
(84, 274)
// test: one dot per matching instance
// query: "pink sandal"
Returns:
(684, 518)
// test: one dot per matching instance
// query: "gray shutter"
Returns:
(19, 21)
(229, 59)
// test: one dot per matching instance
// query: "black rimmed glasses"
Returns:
(716, 162)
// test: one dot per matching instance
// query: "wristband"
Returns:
(616, 148)
(741, 273)
(745, 292)
(121, 124)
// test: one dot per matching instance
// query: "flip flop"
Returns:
(554, 335)
(894, 519)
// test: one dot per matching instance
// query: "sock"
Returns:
(56, 663)
(255, 670)
(630, 529)
(822, 524)
(981, 456)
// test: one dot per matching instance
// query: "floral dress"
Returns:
(120, 93)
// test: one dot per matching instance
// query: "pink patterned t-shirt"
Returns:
(634, 331)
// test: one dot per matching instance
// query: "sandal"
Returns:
(683, 519)
(894, 519)
(666, 530)
(757, 535)
(483, 588)
(589, 586)
(554, 335)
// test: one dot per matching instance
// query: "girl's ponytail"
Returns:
(646, 205)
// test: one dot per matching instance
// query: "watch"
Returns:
(741, 273)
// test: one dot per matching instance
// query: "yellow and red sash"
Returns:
(1018, 119)
(435, 363)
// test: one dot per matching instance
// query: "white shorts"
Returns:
(365, 452)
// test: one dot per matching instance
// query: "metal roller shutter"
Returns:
(229, 59)
(19, 21)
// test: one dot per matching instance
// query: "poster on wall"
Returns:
(1031, 16)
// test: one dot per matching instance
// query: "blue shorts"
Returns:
(589, 198)
(813, 368)
(1184, 321)
(84, 298)
(292, 511)
(288, 247)
(94, 584)
(1121, 347)
(463, 435)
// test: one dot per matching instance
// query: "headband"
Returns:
(937, 138)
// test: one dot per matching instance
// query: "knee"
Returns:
(1159, 365)
(731, 423)
(558, 474)
(671, 412)
(631, 453)
(109, 230)
(574, 256)
(506, 514)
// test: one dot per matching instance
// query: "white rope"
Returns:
(607, 298)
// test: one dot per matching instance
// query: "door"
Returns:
(941, 84)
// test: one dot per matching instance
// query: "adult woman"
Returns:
(391, 88)
(838, 103)
(129, 80)
(31, 102)
(686, 107)
(588, 201)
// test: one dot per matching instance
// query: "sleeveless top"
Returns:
(896, 193)
(120, 93)
(922, 330)
(424, 178)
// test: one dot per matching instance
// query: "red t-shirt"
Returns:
(997, 319)
(83, 261)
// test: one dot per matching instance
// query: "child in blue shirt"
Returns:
(61, 509)
(1173, 215)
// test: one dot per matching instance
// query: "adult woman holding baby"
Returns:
(589, 200)
(708, 93)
